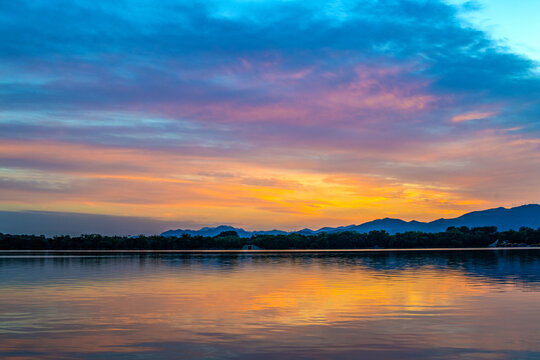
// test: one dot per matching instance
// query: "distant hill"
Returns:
(502, 218)
(213, 231)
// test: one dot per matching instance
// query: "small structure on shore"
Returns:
(494, 244)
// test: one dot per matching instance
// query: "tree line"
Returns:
(453, 237)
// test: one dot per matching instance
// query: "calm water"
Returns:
(361, 305)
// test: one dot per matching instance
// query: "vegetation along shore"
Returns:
(453, 237)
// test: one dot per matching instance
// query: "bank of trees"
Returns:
(453, 237)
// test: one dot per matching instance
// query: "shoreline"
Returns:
(261, 251)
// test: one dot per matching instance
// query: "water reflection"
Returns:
(439, 304)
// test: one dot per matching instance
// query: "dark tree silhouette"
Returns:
(452, 238)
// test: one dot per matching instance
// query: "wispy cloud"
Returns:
(472, 116)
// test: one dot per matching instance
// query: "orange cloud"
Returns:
(172, 186)
(272, 189)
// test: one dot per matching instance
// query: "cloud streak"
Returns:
(472, 116)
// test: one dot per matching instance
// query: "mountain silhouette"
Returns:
(213, 231)
(502, 218)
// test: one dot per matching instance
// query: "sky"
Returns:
(135, 116)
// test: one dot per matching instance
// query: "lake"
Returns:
(439, 304)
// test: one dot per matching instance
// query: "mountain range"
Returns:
(502, 218)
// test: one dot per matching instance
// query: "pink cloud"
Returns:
(472, 116)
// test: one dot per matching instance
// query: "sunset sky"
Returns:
(140, 116)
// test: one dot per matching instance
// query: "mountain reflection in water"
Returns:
(384, 305)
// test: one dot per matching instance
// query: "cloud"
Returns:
(132, 103)
(472, 116)
(58, 223)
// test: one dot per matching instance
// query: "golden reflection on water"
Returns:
(206, 310)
